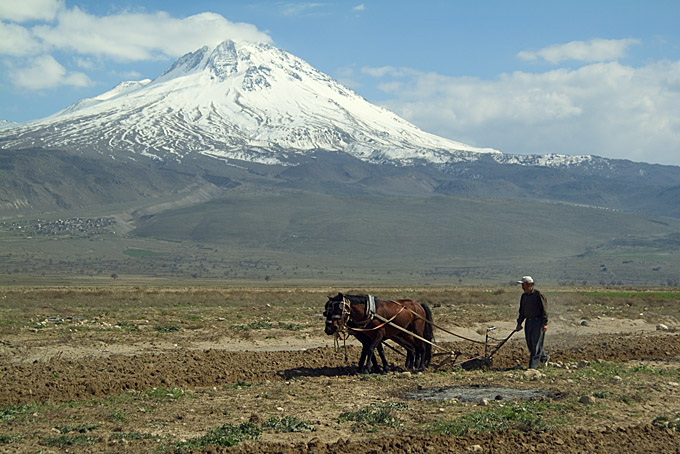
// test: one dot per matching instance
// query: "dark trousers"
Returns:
(534, 334)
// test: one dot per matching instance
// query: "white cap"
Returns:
(526, 280)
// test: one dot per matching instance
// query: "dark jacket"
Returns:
(533, 305)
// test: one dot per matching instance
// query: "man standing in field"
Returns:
(532, 309)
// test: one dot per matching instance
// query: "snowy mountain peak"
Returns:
(242, 101)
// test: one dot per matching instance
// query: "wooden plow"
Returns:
(451, 356)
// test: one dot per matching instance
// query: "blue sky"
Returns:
(572, 77)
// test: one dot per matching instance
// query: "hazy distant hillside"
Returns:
(36, 181)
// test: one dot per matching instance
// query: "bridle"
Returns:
(340, 317)
(341, 329)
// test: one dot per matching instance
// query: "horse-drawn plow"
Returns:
(375, 321)
(449, 357)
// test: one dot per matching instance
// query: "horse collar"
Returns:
(368, 315)
(370, 306)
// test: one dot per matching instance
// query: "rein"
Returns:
(336, 341)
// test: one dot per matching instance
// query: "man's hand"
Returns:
(545, 328)
(518, 327)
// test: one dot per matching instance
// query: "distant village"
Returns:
(73, 226)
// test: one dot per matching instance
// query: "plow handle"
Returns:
(501, 344)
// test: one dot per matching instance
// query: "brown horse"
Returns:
(352, 313)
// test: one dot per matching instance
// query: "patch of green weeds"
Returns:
(80, 428)
(11, 413)
(239, 385)
(132, 436)
(8, 439)
(633, 399)
(128, 326)
(525, 417)
(372, 377)
(225, 435)
(600, 370)
(644, 368)
(117, 416)
(64, 441)
(665, 422)
(288, 424)
(167, 328)
(375, 415)
(602, 394)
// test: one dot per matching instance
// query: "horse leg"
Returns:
(366, 357)
(428, 333)
(410, 359)
(361, 366)
(420, 356)
(376, 342)
(381, 352)
(419, 346)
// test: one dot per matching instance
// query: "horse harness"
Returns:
(345, 316)
(343, 331)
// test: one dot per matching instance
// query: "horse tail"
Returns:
(428, 334)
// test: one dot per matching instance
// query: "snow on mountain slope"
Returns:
(7, 124)
(243, 101)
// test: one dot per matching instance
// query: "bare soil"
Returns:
(67, 386)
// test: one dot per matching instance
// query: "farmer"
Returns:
(532, 308)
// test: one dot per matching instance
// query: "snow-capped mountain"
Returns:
(243, 101)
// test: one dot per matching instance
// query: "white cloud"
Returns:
(122, 37)
(297, 9)
(392, 71)
(46, 72)
(27, 10)
(604, 109)
(586, 51)
(135, 36)
(361, 7)
(17, 41)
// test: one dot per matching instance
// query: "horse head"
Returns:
(336, 313)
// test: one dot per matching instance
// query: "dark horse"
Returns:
(352, 313)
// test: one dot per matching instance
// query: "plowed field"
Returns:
(139, 370)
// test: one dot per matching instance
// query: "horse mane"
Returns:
(357, 299)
